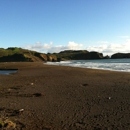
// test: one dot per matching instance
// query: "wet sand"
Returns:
(45, 97)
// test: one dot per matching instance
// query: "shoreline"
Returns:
(92, 68)
(121, 65)
(9, 66)
(41, 96)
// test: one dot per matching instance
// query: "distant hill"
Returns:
(79, 55)
(14, 54)
(120, 55)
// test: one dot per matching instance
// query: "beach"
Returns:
(49, 97)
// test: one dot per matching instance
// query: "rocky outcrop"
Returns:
(18, 54)
(95, 55)
(51, 57)
(120, 55)
(79, 55)
(42, 56)
(106, 57)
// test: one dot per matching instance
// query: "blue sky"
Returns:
(56, 25)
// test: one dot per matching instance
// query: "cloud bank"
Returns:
(109, 49)
(104, 47)
(51, 48)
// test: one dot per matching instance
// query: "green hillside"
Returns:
(14, 54)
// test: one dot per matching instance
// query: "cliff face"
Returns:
(51, 57)
(15, 54)
(79, 55)
(19, 54)
(95, 55)
(120, 55)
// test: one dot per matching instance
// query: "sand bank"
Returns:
(45, 97)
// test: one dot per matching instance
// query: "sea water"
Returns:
(104, 64)
(7, 72)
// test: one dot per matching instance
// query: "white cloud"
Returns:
(106, 48)
(50, 48)
(110, 49)
(74, 46)
(39, 46)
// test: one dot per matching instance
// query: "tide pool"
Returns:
(7, 72)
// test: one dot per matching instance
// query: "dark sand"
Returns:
(64, 98)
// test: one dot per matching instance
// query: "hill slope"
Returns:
(14, 54)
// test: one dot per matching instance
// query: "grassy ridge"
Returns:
(15, 54)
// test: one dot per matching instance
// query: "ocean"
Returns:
(104, 64)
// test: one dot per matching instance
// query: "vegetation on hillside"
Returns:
(15, 54)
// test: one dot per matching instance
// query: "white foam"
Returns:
(109, 64)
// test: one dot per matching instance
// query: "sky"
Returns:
(57, 25)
